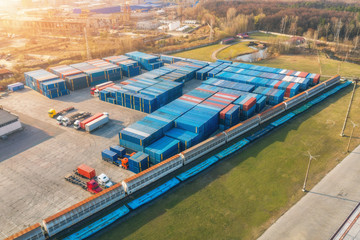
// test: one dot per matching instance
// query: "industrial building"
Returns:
(9, 123)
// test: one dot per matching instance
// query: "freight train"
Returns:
(74, 214)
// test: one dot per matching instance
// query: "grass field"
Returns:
(241, 196)
(266, 36)
(329, 67)
(203, 53)
(234, 50)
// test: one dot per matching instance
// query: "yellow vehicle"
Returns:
(53, 114)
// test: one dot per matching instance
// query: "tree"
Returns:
(284, 21)
(327, 29)
(230, 14)
(293, 25)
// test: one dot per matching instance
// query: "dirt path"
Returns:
(213, 55)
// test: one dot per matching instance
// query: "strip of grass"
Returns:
(235, 50)
(310, 63)
(242, 195)
(266, 36)
(203, 53)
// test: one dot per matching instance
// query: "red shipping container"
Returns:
(90, 119)
(276, 86)
(86, 171)
(303, 74)
(223, 112)
(249, 104)
(316, 79)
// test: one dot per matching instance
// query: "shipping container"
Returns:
(86, 171)
(88, 120)
(109, 155)
(120, 151)
(97, 123)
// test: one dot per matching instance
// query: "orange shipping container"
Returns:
(86, 171)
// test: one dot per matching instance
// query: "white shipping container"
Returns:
(91, 126)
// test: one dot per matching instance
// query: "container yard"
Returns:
(162, 119)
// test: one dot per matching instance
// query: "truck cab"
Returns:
(104, 180)
(52, 113)
(93, 187)
(77, 124)
(59, 120)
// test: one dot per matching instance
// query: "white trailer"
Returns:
(97, 123)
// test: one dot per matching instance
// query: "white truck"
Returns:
(104, 181)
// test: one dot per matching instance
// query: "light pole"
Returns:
(307, 171)
(352, 131)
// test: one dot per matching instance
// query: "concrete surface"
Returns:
(320, 213)
(33, 162)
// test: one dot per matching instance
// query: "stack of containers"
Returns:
(129, 67)
(202, 119)
(187, 139)
(229, 116)
(145, 95)
(169, 59)
(230, 85)
(162, 149)
(112, 71)
(247, 106)
(139, 162)
(15, 86)
(74, 78)
(147, 61)
(293, 89)
(46, 83)
(219, 68)
(274, 96)
(183, 71)
(142, 133)
(260, 101)
(95, 75)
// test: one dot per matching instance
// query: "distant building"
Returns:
(9, 123)
(174, 25)
(4, 73)
(147, 25)
(190, 22)
(242, 35)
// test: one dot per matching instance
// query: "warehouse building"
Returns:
(9, 123)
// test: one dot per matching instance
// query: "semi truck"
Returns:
(95, 90)
(91, 186)
(92, 123)
(68, 121)
(53, 114)
(104, 181)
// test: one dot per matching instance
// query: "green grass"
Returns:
(241, 196)
(266, 36)
(235, 50)
(203, 53)
(329, 67)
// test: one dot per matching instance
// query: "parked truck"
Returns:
(92, 123)
(95, 90)
(68, 121)
(92, 186)
(116, 156)
(104, 181)
(53, 114)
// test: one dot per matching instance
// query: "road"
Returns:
(320, 213)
